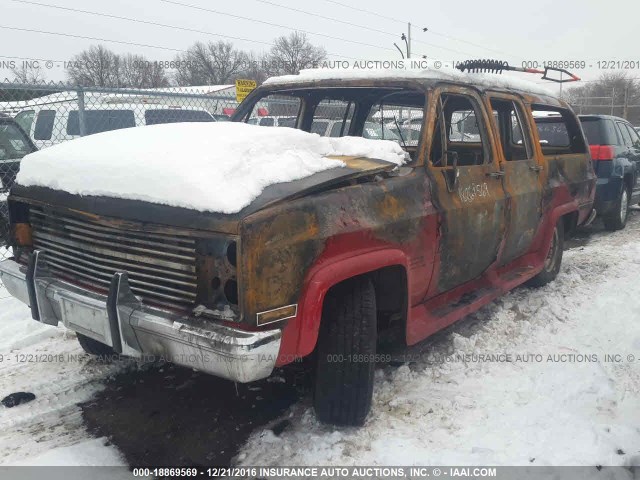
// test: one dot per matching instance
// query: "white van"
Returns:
(51, 124)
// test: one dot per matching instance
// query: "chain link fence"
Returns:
(37, 116)
(607, 105)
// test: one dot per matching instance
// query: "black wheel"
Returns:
(617, 219)
(93, 347)
(345, 354)
(554, 259)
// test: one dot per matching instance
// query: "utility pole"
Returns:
(409, 40)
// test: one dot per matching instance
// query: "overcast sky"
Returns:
(544, 30)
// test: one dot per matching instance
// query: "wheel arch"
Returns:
(384, 267)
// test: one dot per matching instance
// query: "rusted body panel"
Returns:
(457, 248)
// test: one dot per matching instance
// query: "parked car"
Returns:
(327, 127)
(52, 124)
(14, 144)
(325, 265)
(615, 150)
(273, 121)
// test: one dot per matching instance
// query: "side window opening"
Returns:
(514, 139)
(635, 139)
(97, 121)
(626, 136)
(44, 125)
(170, 115)
(25, 120)
(461, 120)
(558, 131)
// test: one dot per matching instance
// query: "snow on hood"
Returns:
(217, 167)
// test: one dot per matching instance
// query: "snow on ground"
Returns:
(556, 411)
(48, 362)
(217, 166)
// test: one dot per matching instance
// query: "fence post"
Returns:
(625, 108)
(613, 99)
(81, 124)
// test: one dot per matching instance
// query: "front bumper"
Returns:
(121, 321)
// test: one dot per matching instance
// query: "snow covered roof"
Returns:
(507, 80)
(217, 167)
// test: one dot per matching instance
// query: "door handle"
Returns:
(498, 174)
(536, 168)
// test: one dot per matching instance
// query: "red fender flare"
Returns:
(300, 335)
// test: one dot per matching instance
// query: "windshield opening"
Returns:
(376, 113)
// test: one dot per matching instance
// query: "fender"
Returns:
(301, 334)
(546, 232)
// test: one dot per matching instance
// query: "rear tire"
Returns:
(617, 220)
(93, 347)
(554, 258)
(346, 354)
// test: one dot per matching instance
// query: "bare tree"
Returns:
(100, 67)
(95, 67)
(255, 69)
(292, 53)
(213, 63)
(137, 72)
(27, 74)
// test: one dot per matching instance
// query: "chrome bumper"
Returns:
(121, 321)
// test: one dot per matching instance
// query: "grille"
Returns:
(161, 267)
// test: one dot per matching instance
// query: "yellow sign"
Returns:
(243, 88)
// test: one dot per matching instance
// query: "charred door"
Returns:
(522, 175)
(466, 187)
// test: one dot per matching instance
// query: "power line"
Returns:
(147, 22)
(450, 37)
(196, 7)
(363, 10)
(477, 45)
(333, 19)
(5, 27)
(351, 24)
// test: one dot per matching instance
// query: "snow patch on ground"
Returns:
(48, 362)
(557, 411)
(217, 167)
(86, 453)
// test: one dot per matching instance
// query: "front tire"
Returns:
(93, 347)
(617, 220)
(346, 354)
(554, 258)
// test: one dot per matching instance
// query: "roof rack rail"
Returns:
(498, 66)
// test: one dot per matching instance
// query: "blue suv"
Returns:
(615, 151)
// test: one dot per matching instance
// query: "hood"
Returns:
(218, 167)
(151, 212)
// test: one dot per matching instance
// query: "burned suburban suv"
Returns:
(271, 244)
